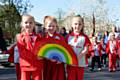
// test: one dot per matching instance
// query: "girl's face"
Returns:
(28, 24)
(77, 24)
(112, 37)
(51, 27)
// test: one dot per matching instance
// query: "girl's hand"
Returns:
(83, 53)
(80, 55)
(52, 60)
(39, 58)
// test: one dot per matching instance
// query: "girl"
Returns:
(31, 66)
(79, 42)
(53, 70)
(111, 49)
(95, 50)
(104, 55)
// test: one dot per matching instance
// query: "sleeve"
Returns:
(87, 41)
(16, 55)
(11, 53)
(20, 43)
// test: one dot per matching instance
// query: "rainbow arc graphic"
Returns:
(57, 50)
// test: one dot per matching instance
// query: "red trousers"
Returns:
(53, 70)
(75, 72)
(112, 61)
(18, 71)
(36, 75)
(32, 73)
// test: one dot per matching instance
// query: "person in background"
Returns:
(118, 51)
(114, 30)
(111, 49)
(105, 37)
(104, 54)
(99, 36)
(79, 42)
(14, 58)
(3, 44)
(95, 50)
(63, 32)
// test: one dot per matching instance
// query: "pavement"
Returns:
(8, 73)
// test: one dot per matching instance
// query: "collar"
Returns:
(48, 35)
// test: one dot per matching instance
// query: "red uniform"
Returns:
(29, 63)
(95, 50)
(54, 70)
(111, 49)
(78, 42)
(11, 59)
(118, 45)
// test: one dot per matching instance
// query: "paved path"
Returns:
(9, 74)
(101, 75)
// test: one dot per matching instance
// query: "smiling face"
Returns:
(50, 24)
(28, 23)
(51, 27)
(77, 24)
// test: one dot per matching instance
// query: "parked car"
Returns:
(4, 59)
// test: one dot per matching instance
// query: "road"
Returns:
(8, 73)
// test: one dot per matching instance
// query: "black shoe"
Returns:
(92, 70)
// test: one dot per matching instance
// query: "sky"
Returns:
(42, 8)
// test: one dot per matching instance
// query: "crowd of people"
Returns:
(105, 50)
(96, 48)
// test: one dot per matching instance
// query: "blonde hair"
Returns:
(112, 34)
(49, 18)
(78, 17)
(27, 15)
(30, 17)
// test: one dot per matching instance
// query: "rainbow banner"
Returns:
(56, 49)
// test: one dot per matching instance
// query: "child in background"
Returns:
(111, 49)
(118, 51)
(95, 50)
(14, 58)
(79, 42)
(16, 61)
(104, 55)
(63, 32)
(31, 66)
(53, 70)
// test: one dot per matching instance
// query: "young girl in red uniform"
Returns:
(111, 49)
(95, 50)
(104, 55)
(118, 51)
(53, 70)
(79, 42)
(31, 66)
